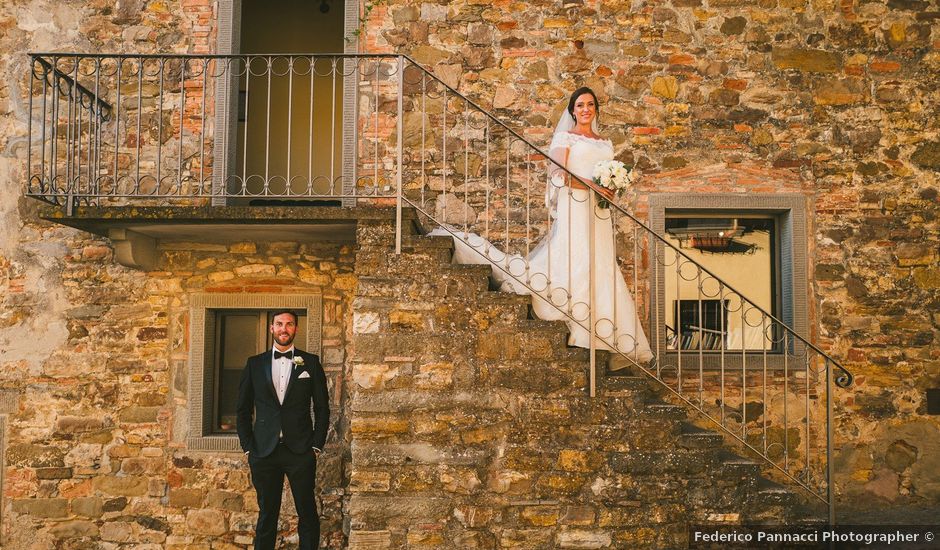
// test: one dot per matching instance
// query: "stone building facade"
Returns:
(836, 102)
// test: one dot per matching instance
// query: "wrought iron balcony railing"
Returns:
(185, 129)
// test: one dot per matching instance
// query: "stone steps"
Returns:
(693, 437)
(471, 417)
(439, 248)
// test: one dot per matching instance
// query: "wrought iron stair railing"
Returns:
(497, 177)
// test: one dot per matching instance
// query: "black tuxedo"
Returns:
(262, 419)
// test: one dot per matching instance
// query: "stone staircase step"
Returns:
(635, 433)
(693, 437)
(669, 461)
(780, 501)
(377, 347)
(735, 465)
(611, 385)
(665, 410)
(771, 493)
(427, 241)
(440, 249)
(552, 377)
(427, 266)
(458, 281)
(529, 338)
(498, 297)
(625, 448)
(394, 289)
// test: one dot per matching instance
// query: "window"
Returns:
(740, 249)
(301, 28)
(757, 244)
(226, 329)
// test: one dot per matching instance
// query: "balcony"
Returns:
(147, 147)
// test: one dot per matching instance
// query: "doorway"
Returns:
(290, 115)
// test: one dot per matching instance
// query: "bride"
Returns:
(557, 272)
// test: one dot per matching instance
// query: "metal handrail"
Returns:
(647, 371)
(148, 137)
(212, 56)
(104, 108)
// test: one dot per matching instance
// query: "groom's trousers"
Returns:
(267, 475)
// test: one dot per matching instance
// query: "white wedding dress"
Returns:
(557, 271)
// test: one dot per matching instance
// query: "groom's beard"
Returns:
(284, 339)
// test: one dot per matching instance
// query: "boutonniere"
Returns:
(298, 361)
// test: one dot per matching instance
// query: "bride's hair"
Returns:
(580, 92)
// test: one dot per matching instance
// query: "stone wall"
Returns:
(96, 449)
(842, 94)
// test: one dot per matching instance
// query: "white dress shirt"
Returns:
(280, 372)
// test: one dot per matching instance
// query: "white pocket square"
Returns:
(304, 374)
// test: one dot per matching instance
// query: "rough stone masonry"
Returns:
(843, 95)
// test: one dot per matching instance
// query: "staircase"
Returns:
(472, 426)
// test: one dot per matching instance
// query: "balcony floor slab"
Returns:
(223, 224)
(137, 231)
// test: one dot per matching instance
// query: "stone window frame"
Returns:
(790, 211)
(228, 39)
(201, 324)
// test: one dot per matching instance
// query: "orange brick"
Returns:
(263, 289)
(174, 479)
(681, 59)
(856, 354)
(885, 66)
(223, 288)
(75, 488)
(735, 84)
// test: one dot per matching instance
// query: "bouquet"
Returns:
(614, 175)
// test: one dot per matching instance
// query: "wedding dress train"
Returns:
(557, 272)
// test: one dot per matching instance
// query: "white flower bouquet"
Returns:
(613, 175)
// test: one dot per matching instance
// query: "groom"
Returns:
(278, 388)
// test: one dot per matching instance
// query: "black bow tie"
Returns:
(279, 354)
